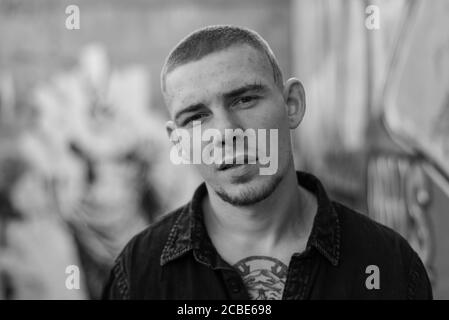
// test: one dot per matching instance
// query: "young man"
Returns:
(247, 235)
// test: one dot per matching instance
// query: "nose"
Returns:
(225, 122)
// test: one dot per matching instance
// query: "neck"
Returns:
(285, 215)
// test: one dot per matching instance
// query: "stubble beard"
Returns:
(250, 195)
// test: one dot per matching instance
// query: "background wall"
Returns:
(83, 111)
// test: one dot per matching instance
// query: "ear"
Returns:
(295, 100)
(170, 127)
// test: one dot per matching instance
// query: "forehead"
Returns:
(216, 74)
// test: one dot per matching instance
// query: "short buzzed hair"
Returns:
(216, 38)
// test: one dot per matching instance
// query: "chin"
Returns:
(250, 192)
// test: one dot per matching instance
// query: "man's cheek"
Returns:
(276, 118)
(206, 171)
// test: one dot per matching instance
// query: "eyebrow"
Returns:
(191, 108)
(256, 87)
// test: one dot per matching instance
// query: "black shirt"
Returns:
(174, 258)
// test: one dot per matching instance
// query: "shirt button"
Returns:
(235, 286)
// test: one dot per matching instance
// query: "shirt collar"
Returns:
(189, 232)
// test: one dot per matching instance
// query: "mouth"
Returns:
(237, 162)
(226, 166)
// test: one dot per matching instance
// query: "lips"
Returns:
(236, 162)
(224, 166)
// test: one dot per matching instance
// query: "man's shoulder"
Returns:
(139, 261)
(151, 241)
(365, 242)
(359, 231)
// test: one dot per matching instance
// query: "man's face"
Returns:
(232, 89)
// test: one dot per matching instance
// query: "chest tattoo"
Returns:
(264, 277)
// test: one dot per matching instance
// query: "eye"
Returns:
(245, 100)
(197, 116)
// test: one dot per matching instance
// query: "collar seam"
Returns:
(332, 252)
(175, 255)
(168, 253)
